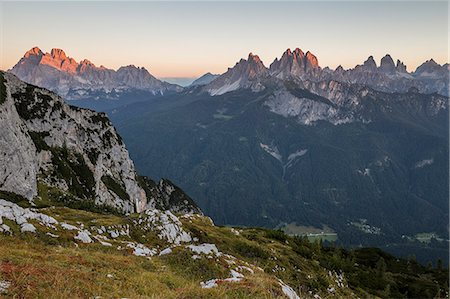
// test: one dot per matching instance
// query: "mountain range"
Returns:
(361, 154)
(295, 65)
(62, 74)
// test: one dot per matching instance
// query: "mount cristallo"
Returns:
(62, 74)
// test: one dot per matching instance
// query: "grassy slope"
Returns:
(40, 266)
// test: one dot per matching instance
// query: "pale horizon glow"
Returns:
(189, 39)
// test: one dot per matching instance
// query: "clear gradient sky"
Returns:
(188, 39)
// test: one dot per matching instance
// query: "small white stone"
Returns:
(27, 227)
(165, 251)
(83, 236)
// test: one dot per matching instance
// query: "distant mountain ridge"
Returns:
(62, 74)
(297, 66)
(84, 80)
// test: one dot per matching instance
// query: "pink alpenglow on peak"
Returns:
(252, 57)
(312, 60)
(58, 53)
(60, 73)
(294, 64)
(35, 51)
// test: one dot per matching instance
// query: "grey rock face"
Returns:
(18, 163)
(387, 64)
(53, 138)
(78, 151)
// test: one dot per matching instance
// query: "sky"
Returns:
(187, 39)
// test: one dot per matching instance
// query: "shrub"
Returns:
(278, 235)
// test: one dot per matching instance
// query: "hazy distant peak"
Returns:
(204, 79)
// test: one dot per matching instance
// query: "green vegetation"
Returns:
(31, 103)
(106, 139)
(51, 196)
(93, 155)
(2, 89)
(115, 187)
(40, 264)
(71, 167)
(15, 198)
(101, 118)
(221, 164)
(38, 140)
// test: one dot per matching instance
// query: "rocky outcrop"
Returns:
(62, 74)
(387, 65)
(75, 151)
(245, 74)
(295, 64)
(168, 197)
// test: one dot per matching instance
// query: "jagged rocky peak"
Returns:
(311, 61)
(294, 64)
(370, 64)
(387, 64)
(75, 151)
(400, 67)
(339, 69)
(35, 51)
(58, 54)
(429, 68)
(254, 66)
(245, 74)
(86, 62)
